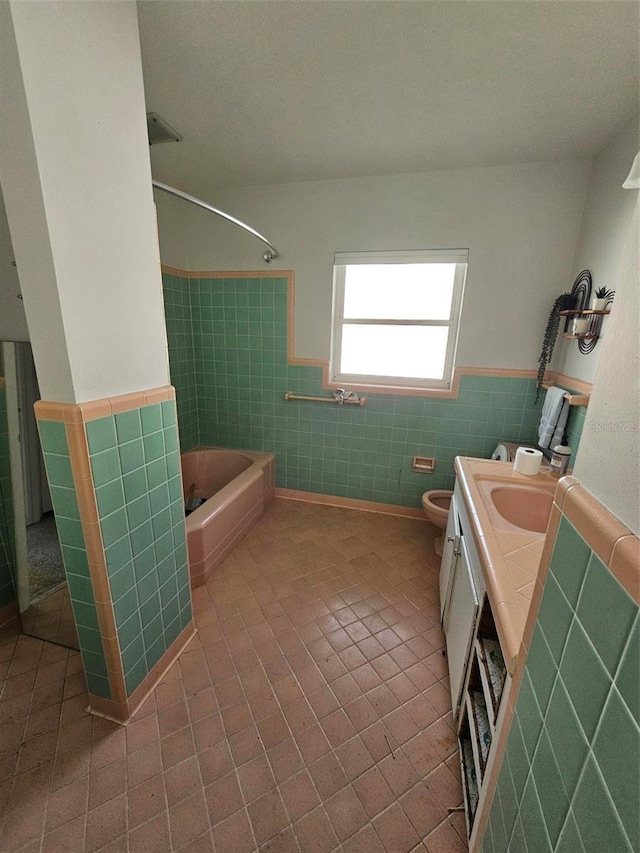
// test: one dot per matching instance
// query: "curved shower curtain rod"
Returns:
(271, 252)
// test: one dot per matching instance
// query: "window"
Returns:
(396, 316)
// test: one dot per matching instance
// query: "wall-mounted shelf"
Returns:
(574, 399)
(590, 321)
(584, 311)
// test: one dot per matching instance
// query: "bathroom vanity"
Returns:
(492, 549)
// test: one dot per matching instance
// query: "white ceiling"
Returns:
(268, 92)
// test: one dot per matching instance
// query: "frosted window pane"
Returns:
(398, 291)
(416, 352)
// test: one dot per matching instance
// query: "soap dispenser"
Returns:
(560, 458)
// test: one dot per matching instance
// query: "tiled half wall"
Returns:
(113, 466)
(570, 776)
(230, 354)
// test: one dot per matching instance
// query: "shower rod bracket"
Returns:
(270, 254)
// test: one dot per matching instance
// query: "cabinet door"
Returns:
(450, 550)
(460, 623)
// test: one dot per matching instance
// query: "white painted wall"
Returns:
(13, 321)
(24, 202)
(520, 224)
(609, 453)
(603, 236)
(172, 216)
(77, 185)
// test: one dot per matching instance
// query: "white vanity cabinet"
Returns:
(450, 553)
(460, 622)
(461, 590)
(476, 668)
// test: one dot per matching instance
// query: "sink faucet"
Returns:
(340, 395)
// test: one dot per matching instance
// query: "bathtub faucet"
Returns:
(340, 395)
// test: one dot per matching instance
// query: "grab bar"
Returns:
(355, 401)
(271, 252)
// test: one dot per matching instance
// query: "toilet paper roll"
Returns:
(528, 460)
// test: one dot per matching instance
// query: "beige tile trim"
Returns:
(81, 413)
(350, 503)
(564, 484)
(270, 273)
(86, 496)
(123, 711)
(597, 526)
(174, 271)
(568, 382)
(615, 544)
(441, 393)
(47, 411)
(625, 564)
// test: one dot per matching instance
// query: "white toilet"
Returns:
(436, 502)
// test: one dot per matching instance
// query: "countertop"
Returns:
(510, 556)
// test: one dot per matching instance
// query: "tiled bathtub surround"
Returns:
(114, 470)
(232, 373)
(178, 317)
(570, 777)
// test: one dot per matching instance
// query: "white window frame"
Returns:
(460, 257)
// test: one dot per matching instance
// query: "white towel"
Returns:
(553, 410)
(558, 433)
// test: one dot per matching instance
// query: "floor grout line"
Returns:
(366, 588)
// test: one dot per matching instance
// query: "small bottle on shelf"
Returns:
(560, 459)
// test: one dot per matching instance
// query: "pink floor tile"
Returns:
(310, 714)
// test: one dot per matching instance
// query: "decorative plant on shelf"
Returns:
(602, 298)
(563, 303)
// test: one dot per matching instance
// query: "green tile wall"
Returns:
(135, 461)
(241, 375)
(7, 535)
(63, 495)
(571, 773)
(177, 303)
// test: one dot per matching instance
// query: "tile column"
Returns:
(76, 180)
(114, 470)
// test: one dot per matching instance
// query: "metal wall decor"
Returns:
(581, 292)
(581, 298)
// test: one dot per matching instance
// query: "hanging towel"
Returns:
(558, 433)
(553, 409)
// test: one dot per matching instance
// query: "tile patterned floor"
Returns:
(51, 618)
(311, 713)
